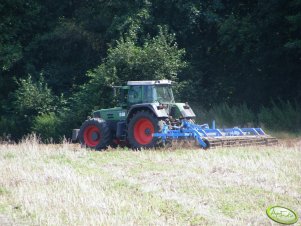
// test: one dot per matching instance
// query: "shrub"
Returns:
(47, 126)
(33, 98)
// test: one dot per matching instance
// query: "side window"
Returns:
(148, 94)
(123, 96)
(134, 95)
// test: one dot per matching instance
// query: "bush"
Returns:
(47, 126)
(32, 102)
(33, 98)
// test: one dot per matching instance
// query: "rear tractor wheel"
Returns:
(140, 129)
(95, 133)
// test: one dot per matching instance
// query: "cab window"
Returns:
(148, 94)
(135, 94)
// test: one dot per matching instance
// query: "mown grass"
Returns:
(67, 185)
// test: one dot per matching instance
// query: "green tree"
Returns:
(157, 58)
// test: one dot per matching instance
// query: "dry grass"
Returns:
(66, 185)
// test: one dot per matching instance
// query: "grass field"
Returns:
(67, 185)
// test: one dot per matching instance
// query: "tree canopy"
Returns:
(59, 58)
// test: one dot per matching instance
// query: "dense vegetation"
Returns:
(238, 61)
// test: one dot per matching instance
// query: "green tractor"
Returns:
(148, 117)
(144, 108)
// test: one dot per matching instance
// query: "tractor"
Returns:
(149, 117)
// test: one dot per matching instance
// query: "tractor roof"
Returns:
(150, 82)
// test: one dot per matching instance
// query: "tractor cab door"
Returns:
(123, 96)
(140, 94)
(148, 94)
(135, 95)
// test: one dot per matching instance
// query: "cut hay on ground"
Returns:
(66, 185)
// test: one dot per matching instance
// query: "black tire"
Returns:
(95, 133)
(137, 134)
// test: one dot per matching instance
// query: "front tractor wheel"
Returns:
(95, 133)
(141, 128)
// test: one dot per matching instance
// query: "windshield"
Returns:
(163, 94)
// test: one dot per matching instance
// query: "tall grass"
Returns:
(226, 115)
(283, 116)
(280, 116)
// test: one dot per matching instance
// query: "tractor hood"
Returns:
(114, 114)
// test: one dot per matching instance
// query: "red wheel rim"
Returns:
(143, 131)
(92, 136)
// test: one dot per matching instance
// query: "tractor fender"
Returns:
(152, 107)
(182, 110)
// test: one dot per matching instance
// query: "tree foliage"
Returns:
(32, 98)
(156, 58)
(237, 53)
(29, 100)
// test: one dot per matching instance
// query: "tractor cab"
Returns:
(138, 92)
(154, 96)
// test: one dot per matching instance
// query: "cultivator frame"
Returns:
(211, 137)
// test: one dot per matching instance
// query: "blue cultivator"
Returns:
(213, 137)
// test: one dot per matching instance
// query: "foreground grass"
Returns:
(67, 185)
